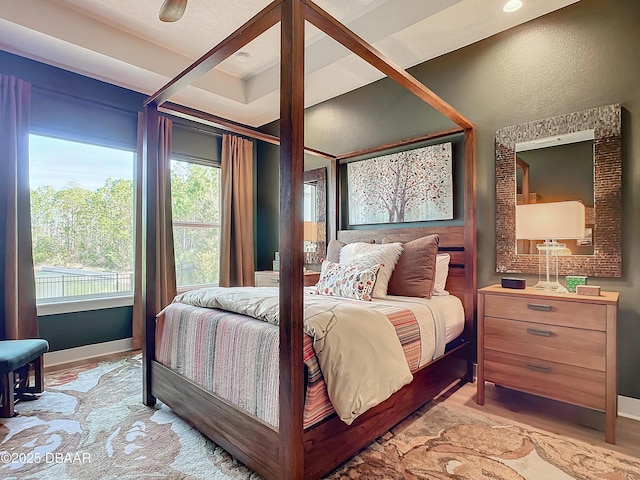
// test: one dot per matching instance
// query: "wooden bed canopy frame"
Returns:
(291, 452)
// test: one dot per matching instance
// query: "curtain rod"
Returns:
(187, 126)
(402, 143)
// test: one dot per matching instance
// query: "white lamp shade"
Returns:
(554, 220)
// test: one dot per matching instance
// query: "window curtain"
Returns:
(165, 259)
(236, 218)
(18, 291)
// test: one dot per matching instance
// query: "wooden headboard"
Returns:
(461, 279)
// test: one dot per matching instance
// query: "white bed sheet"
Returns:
(448, 313)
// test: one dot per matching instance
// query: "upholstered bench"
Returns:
(16, 360)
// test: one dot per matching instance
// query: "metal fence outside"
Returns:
(72, 285)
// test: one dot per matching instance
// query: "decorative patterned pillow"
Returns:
(369, 254)
(348, 281)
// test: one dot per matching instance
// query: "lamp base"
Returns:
(550, 287)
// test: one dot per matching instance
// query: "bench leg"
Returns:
(6, 390)
(24, 382)
(38, 372)
(25, 385)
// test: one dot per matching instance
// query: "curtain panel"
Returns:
(18, 292)
(236, 218)
(165, 259)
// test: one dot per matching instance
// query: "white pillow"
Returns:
(370, 254)
(442, 272)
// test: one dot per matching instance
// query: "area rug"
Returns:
(90, 423)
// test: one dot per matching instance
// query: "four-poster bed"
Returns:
(291, 451)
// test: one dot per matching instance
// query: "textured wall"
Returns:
(577, 58)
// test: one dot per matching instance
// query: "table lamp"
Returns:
(550, 222)
(310, 237)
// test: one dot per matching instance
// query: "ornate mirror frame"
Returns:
(607, 258)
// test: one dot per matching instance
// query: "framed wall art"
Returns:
(410, 186)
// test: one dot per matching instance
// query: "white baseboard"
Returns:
(87, 352)
(629, 407)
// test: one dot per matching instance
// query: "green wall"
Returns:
(580, 57)
(68, 330)
(267, 204)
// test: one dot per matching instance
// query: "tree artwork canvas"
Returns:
(411, 186)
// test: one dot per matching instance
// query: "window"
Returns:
(310, 202)
(195, 203)
(81, 219)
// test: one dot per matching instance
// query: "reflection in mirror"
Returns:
(315, 218)
(557, 169)
(310, 202)
(310, 235)
(601, 181)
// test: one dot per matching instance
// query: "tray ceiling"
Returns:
(123, 42)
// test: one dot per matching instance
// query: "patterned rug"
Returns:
(90, 424)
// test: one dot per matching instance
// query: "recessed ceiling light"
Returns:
(512, 6)
(242, 57)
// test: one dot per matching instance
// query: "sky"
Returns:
(56, 162)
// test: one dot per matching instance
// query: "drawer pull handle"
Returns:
(541, 307)
(540, 333)
(538, 368)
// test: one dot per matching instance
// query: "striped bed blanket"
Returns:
(236, 356)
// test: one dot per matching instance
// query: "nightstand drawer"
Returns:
(572, 346)
(547, 311)
(267, 279)
(567, 383)
(311, 278)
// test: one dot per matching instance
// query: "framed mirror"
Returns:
(315, 215)
(577, 156)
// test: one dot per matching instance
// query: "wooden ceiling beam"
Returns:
(357, 45)
(255, 27)
(230, 126)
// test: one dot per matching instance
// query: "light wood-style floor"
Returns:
(80, 363)
(552, 416)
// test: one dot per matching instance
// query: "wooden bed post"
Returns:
(291, 261)
(149, 246)
(291, 453)
(470, 282)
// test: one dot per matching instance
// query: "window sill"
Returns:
(187, 288)
(87, 304)
(83, 305)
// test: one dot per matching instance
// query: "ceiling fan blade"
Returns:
(172, 10)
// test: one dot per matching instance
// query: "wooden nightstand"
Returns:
(560, 346)
(269, 278)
